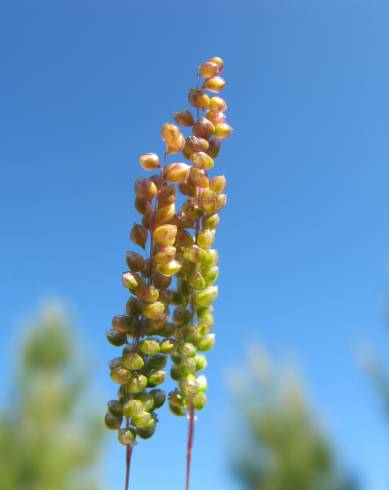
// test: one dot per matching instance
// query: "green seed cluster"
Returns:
(169, 312)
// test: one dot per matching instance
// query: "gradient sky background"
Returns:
(84, 89)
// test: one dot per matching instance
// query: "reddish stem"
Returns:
(128, 465)
(191, 428)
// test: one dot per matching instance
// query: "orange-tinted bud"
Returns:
(218, 61)
(165, 234)
(170, 133)
(221, 202)
(198, 177)
(139, 235)
(214, 147)
(149, 161)
(203, 128)
(143, 206)
(193, 144)
(202, 160)
(217, 104)
(187, 190)
(214, 84)
(164, 255)
(166, 195)
(131, 281)
(145, 189)
(164, 213)
(223, 131)
(191, 210)
(148, 294)
(177, 146)
(216, 117)
(184, 118)
(160, 281)
(208, 69)
(208, 201)
(218, 184)
(198, 98)
(176, 172)
(135, 261)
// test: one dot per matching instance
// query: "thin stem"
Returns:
(191, 429)
(128, 465)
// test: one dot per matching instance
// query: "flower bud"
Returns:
(149, 161)
(115, 363)
(142, 420)
(139, 235)
(221, 202)
(201, 384)
(167, 346)
(146, 433)
(214, 147)
(143, 206)
(216, 117)
(156, 378)
(207, 296)
(194, 254)
(208, 69)
(175, 372)
(188, 385)
(165, 234)
(206, 238)
(120, 375)
(214, 84)
(198, 177)
(198, 98)
(133, 408)
(184, 239)
(112, 421)
(187, 350)
(147, 401)
(159, 397)
(130, 281)
(207, 342)
(203, 128)
(187, 190)
(218, 184)
(187, 366)
(166, 195)
(176, 403)
(165, 213)
(219, 62)
(165, 255)
(194, 144)
(176, 146)
(122, 323)
(135, 261)
(170, 133)
(133, 361)
(217, 104)
(202, 160)
(115, 407)
(196, 280)
(209, 258)
(199, 400)
(184, 118)
(208, 201)
(126, 437)
(223, 131)
(156, 362)
(116, 338)
(211, 274)
(170, 269)
(181, 316)
(145, 189)
(176, 172)
(160, 281)
(148, 294)
(201, 362)
(211, 222)
(136, 384)
(153, 311)
(149, 347)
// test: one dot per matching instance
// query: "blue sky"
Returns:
(84, 89)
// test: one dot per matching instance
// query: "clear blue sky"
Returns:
(84, 88)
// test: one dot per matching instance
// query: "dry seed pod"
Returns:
(135, 261)
(208, 69)
(216, 117)
(176, 172)
(167, 195)
(145, 189)
(164, 214)
(214, 84)
(203, 128)
(198, 177)
(198, 98)
(214, 147)
(163, 255)
(193, 144)
(202, 160)
(143, 206)
(217, 104)
(188, 190)
(218, 184)
(219, 62)
(165, 234)
(177, 146)
(223, 131)
(173, 138)
(149, 161)
(184, 118)
(139, 235)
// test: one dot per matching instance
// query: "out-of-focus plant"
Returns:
(170, 313)
(280, 445)
(49, 440)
